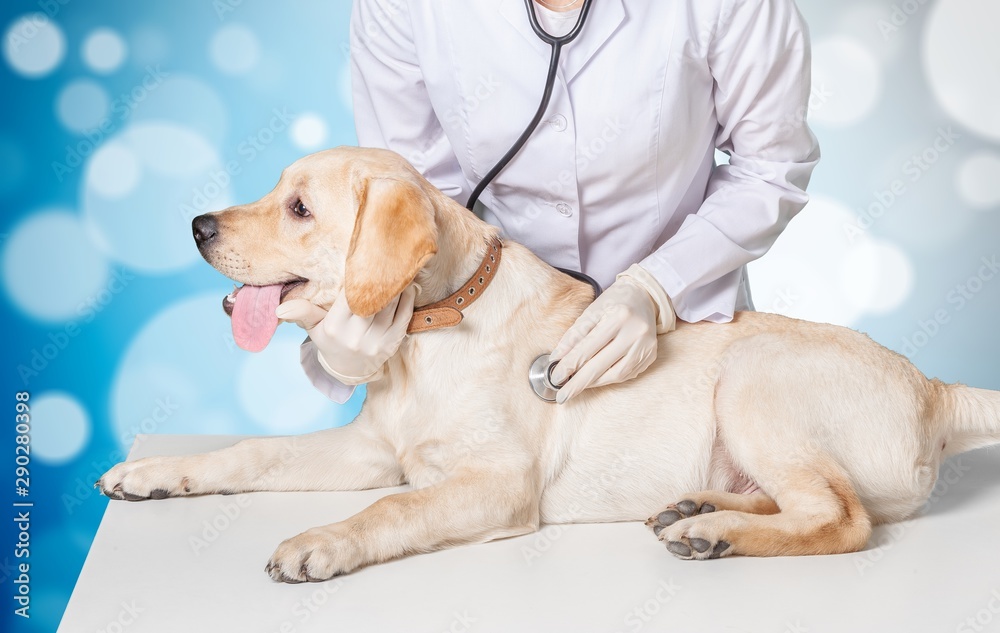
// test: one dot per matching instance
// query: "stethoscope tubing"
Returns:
(550, 79)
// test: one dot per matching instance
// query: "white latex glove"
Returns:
(614, 340)
(351, 348)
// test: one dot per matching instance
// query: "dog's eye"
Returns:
(300, 210)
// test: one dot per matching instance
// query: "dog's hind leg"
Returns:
(778, 415)
(816, 511)
(345, 458)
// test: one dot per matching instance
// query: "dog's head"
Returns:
(358, 219)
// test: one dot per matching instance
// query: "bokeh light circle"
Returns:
(60, 428)
(234, 49)
(104, 50)
(280, 401)
(184, 99)
(309, 131)
(978, 180)
(147, 225)
(960, 49)
(50, 268)
(34, 45)
(82, 105)
(114, 170)
(822, 269)
(182, 372)
(876, 276)
(846, 79)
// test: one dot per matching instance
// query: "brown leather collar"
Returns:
(448, 311)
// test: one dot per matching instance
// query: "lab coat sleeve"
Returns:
(392, 108)
(759, 56)
(324, 382)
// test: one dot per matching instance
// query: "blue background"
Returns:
(154, 354)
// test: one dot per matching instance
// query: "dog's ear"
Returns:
(394, 235)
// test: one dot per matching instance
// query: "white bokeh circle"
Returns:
(50, 268)
(960, 49)
(104, 50)
(876, 276)
(184, 99)
(34, 45)
(978, 180)
(846, 80)
(279, 400)
(82, 105)
(60, 428)
(113, 171)
(822, 269)
(182, 373)
(885, 42)
(147, 225)
(234, 49)
(309, 131)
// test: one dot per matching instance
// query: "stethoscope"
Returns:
(540, 372)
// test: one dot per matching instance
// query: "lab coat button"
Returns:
(558, 122)
(564, 209)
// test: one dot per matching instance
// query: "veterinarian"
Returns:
(618, 181)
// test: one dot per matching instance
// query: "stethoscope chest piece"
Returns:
(540, 377)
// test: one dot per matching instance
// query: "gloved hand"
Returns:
(614, 339)
(351, 348)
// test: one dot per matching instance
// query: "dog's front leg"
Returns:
(468, 508)
(352, 457)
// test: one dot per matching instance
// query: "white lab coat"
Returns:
(621, 169)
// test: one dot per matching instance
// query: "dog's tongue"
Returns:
(254, 321)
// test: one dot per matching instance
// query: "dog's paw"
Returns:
(698, 537)
(314, 556)
(149, 478)
(675, 512)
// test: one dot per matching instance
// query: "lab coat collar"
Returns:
(604, 19)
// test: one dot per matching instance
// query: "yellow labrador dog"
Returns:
(766, 436)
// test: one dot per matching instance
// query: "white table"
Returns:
(155, 566)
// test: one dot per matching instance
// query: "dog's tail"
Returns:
(970, 417)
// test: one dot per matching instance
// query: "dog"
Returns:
(765, 436)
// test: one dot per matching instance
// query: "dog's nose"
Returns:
(205, 228)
